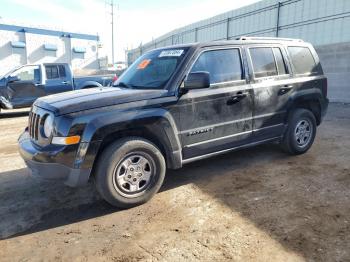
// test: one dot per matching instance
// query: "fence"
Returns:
(320, 22)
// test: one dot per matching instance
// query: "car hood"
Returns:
(84, 99)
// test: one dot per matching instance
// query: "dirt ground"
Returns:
(253, 205)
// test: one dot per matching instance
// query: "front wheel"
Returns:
(300, 133)
(130, 172)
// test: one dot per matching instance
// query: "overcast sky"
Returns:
(136, 21)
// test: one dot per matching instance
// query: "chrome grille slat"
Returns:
(36, 127)
(34, 122)
(30, 124)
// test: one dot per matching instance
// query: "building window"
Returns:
(79, 50)
(18, 44)
(50, 47)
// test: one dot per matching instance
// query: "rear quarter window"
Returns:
(302, 60)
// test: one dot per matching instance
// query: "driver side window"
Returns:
(28, 73)
(222, 65)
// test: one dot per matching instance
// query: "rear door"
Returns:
(272, 82)
(220, 117)
(24, 92)
(56, 79)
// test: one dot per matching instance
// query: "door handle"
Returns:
(236, 98)
(285, 89)
(65, 82)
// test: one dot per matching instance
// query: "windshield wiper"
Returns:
(122, 84)
(131, 86)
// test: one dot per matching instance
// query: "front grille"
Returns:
(34, 125)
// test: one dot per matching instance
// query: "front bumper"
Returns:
(46, 165)
(5, 103)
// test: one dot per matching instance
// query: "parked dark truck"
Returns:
(23, 85)
(173, 106)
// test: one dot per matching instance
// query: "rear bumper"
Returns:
(324, 108)
(50, 170)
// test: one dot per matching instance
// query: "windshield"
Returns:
(11, 71)
(152, 70)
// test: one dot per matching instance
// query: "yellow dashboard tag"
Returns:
(144, 64)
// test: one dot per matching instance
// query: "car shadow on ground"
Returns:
(272, 190)
(23, 194)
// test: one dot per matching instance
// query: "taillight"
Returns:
(115, 78)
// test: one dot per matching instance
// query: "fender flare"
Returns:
(305, 96)
(158, 122)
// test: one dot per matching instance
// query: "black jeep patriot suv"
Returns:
(176, 105)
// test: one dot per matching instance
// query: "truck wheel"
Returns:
(300, 133)
(130, 172)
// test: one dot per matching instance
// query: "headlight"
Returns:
(48, 126)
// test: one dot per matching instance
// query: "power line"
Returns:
(112, 14)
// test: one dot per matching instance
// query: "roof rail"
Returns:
(268, 38)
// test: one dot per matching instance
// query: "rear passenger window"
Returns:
(55, 71)
(222, 65)
(302, 60)
(52, 72)
(263, 62)
(281, 65)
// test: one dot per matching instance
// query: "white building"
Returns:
(26, 45)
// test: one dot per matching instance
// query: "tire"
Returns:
(124, 161)
(296, 140)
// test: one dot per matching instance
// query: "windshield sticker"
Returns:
(176, 52)
(144, 64)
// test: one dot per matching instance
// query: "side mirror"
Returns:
(12, 79)
(197, 80)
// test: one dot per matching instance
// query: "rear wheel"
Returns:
(301, 132)
(130, 172)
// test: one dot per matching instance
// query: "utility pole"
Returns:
(112, 13)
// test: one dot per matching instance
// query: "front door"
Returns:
(220, 117)
(26, 89)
